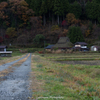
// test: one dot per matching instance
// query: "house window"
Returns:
(77, 45)
(83, 46)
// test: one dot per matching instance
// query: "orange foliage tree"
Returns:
(2, 10)
(20, 9)
(70, 17)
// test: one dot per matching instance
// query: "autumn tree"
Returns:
(70, 17)
(3, 14)
(1, 39)
(36, 26)
(11, 32)
(20, 13)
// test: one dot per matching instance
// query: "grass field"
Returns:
(73, 57)
(56, 81)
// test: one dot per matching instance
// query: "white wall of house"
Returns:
(4, 49)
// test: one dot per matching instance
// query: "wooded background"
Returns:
(22, 20)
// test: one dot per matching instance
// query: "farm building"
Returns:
(49, 48)
(3, 48)
(63, 43)
(3, 51)
(81, 46)
(95, 48)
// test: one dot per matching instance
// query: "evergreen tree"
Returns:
(92, 10)
(36, 6)
(76, 9)
(71, 1)
(43, 10)
(58, 8)
(75, 34)
(65, 6)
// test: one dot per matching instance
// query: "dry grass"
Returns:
(6, 71)
(36, 85)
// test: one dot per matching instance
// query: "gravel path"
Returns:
(16, 85)
(5, 66)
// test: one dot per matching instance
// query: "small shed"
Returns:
(3, 48)
(3, 52)
(63, 43)
(95, 48)
(49, 48)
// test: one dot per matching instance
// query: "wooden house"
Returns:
(63, 43)
(81, 46)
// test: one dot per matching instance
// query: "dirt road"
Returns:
(15, 84)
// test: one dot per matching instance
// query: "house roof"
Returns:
(80, 43)
(63, 42)
(1, 47)
(49, 47)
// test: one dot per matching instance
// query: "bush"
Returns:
(38, 41)
(75, 34)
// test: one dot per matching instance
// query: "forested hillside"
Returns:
(22, 20)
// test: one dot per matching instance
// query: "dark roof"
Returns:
(49, 47)
(81, 43)
(3, 47)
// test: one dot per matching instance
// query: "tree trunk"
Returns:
(52, 19)
(49, 19)
(58, 19)
(44, 20)
(63, 17)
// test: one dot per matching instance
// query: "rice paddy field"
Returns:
(54, 80)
